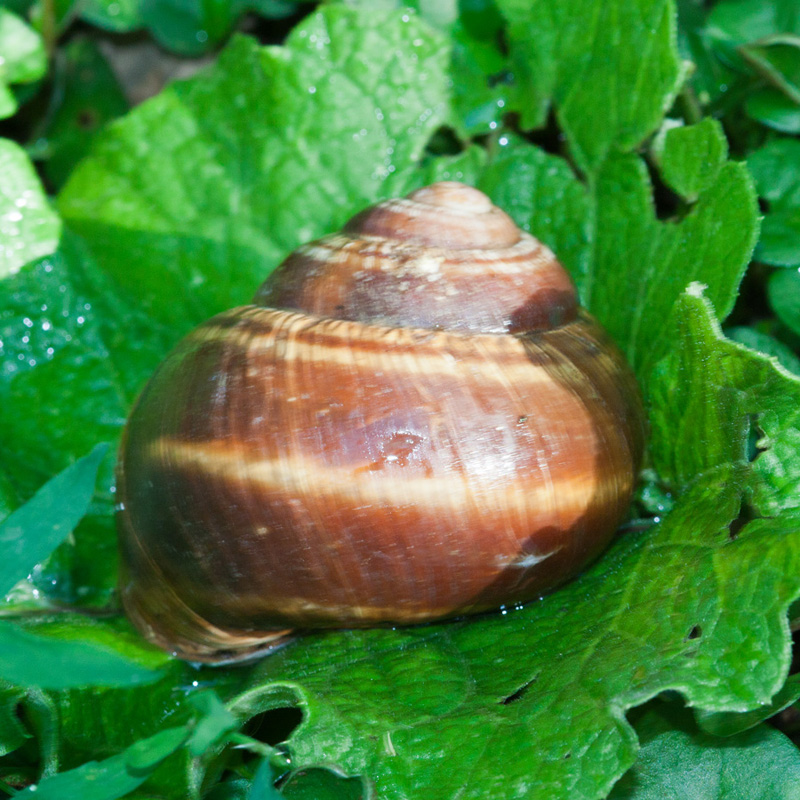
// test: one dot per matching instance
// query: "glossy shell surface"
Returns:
(368, 444)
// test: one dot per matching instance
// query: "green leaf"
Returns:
(321, 784)
(776, 170)
(609, 238)
(727, 724)
(22, 59)
(262, 788)
(609, 69)
(690, 157)
(12, 732)
(113, 778)
(215, 722)
(28, 227)
(209, 184)
(783, 290)
(186, 27)
(740, 404)
(742, 21)
(678, 760)
(77, 355)
(661, 610)
(773, 109)
(27, 659)
(31, 532)
(87, 97)
(145, 755)
(766, 344)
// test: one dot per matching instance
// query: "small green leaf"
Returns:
(776, 170)
(773, 109)
(27, 659)
(609, 69)
(783, 290)
(214, 723)
(146, 755)
(212, 182)
(88, 97)
(113, 778)
(28, 227)
(742, 21)
(322, 784)
(766, 344)
(741, 405)
(12, 732)
(32, 531)
(262, 788)
(678, 760)
(22, 57)
(727, 724)
(690, 157)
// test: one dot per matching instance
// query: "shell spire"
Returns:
(443, 258)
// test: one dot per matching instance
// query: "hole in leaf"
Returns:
(274, 29)
(746, 514)
(88, 119)
(519, 694)
(668, 205)
(549, 138)
(754, 435)
(274, 726)
(695, 633)
(444, 142)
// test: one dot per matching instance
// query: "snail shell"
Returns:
(414, 420)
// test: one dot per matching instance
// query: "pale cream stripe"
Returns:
(295, 474)
(521, 258)
(494, 358)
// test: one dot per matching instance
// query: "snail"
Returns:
(413, 421)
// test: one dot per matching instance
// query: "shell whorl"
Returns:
(443, 258)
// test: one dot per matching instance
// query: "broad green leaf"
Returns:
(609, 69)
(678, 760)
(662, 610)
(28, 227)
(32, 531)
(22, 59)
(191, 200)
(27, 659)
(776, 170)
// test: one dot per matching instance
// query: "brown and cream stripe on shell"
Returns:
(414, 421)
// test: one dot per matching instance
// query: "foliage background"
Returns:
(652, 144)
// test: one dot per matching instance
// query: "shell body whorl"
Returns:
(316, 461)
